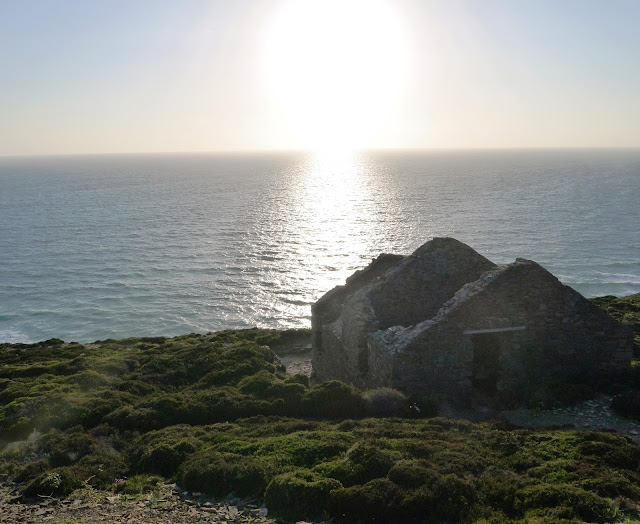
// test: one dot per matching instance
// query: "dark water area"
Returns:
(95, 247)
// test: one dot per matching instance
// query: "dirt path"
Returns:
(297, 364)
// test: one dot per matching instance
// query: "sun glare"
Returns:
(335, 68)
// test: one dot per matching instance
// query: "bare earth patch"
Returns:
(298, 364)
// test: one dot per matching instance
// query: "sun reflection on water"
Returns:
(330, 221)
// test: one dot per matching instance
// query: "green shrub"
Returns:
(285, 396)
(304, 448)
(67, 448)
(448, 499)
(57, 482)
(419, 506)
(498, 489)
(333, 400)
(221, 473)
(32, 470)
(261, 383)
(575, 502)
(299, 494)
(459, 459)
(379, 500)
(134, 418)
(164, 458)
(455, 497)
(100, 405)
(612, 486)
(385, 402)
(413, 473)
(362, 462)
(298, 378)
(617, 452)
(100, 470)
(90, 379)
(139, 484)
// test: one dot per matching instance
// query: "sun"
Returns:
(335, 68)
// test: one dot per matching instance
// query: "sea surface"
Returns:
(96, 247)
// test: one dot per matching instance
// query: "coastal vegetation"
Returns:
(217, 414)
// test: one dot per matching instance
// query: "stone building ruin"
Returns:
(448, 322)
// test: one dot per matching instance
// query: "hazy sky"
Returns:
(102, 76)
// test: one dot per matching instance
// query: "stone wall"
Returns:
(411, 289)
(543, 331)
(447, 321)
(325, 329)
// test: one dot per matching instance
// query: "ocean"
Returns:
(96, 247)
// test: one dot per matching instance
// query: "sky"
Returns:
(123, 76)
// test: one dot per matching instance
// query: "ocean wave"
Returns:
(10, 336)
(617, 278)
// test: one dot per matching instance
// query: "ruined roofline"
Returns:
(385, 263)
(361, 278)
(439, 244)
(472, 289)
(396, 334)
(444, 242)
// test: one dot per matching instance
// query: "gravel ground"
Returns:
(297, 364)
(169, 506)
(595, 414)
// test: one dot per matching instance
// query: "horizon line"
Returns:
(320, 151)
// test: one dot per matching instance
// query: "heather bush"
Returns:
(362, 462)
(139, 484)
(385, 402)
(299, 494)
(56, 482)
(219, 473)
(454, 497)
(498, 489)
(565, 501)
(207, 412)
(333, 400)
(379, 500)
(164, 458)
(411, 473)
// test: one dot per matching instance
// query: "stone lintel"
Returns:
(493, 330)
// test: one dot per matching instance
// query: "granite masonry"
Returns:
(446, 321)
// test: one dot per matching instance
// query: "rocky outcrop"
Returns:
(446, 321)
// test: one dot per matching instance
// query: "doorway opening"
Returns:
(486, 362)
